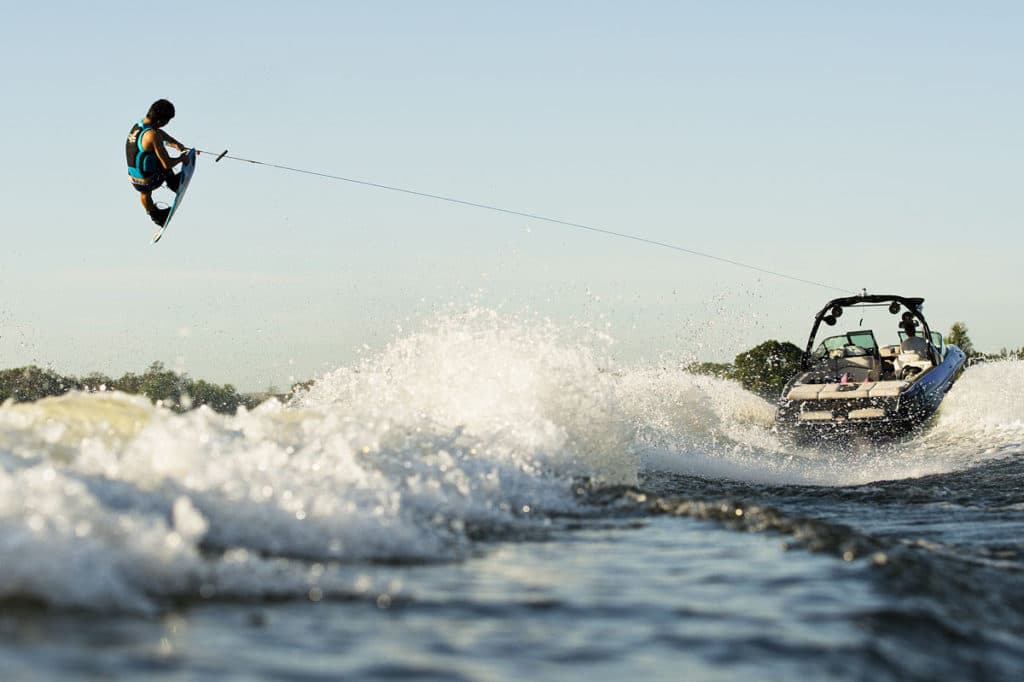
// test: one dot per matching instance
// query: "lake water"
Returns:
(486, 499)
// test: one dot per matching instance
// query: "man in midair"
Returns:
(149, 165)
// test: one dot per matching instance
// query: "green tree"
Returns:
(162, 384)
(223, 399)
(766, 368)
(25, 384)
(958, 337)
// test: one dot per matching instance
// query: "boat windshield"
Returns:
(864, 339)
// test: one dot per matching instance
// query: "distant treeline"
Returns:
(170, 389)
(1003, 354)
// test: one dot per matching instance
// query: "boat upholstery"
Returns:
(889, 351)
(912, 358)
(871, 389)
(844, 391)
(858, 368)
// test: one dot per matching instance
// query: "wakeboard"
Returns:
(187, 169)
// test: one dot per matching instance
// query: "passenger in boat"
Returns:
(913, 343)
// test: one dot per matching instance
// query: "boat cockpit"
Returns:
(856, 357)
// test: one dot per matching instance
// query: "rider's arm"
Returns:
(155, 141)
(172, 142)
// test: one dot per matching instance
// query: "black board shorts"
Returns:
(155, 180)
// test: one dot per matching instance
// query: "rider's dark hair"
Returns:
(161, 111)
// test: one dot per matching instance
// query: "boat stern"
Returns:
(873, 406)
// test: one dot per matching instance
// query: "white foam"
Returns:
(982, 415)
(477, 423)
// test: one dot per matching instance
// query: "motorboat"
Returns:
(849, 384)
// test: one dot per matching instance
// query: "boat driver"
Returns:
(913, 342)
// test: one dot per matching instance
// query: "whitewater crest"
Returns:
(519, 392)
(983, 411)
(476, 426)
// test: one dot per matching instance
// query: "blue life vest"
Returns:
(141, 163)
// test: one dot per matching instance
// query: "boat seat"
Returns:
(855, 373)
(910, 360)
(887, 389)
(858, 367)
(845, 391)
(804, 392)
(889, 352)
(864, 361)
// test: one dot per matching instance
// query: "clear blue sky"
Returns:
(856, 144)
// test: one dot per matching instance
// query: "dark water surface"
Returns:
(935, 589)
